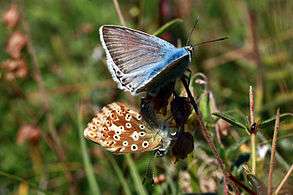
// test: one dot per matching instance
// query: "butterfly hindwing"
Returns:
(122, 130)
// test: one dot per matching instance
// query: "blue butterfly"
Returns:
(140, 62)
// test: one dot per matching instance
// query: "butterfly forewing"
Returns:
(134, 57)
(122, 130)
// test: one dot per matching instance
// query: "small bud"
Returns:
(181, 109)
(16, 42)
(11, 16)
(158, 180)
(29, 133)
(183, 145)
(14, 69)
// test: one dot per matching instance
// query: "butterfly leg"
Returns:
(160, 152)
(188, 76)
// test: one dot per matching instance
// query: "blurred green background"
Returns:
(53, 76)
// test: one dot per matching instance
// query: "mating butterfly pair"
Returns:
(139, 63)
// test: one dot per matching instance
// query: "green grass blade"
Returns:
(167, 26)
(135, 176)
(120, 175)
(94, 188)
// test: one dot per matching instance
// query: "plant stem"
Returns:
(119, 13)
(89, 171)
(227, 176)
(253, 131)
(235, 180)
(17, 178)
(273, 153)
(284, 180)
(203, 128)
(58, 148)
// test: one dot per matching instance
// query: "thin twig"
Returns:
(253, 132)
(279, 157)
(204, 130)
(284, 180)
(88, 167)
(119, 13)
(235, 180)
(252, 37)
(208, 138)
(20, 179)
(46, 104)
(273, 153)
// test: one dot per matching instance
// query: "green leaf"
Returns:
(256, 184)
(270, 122)
(120, 175)
(135, 176)
(231, 120)
(204, 105)
(89, 171)
(233, 149)
(166, 27)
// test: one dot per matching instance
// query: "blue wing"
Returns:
(135, 58)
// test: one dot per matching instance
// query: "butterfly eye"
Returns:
(142, 133)
(141, 126)
(116, 137)
(145, 144)
(108, 123)
(118, 73)
(138, 117)
(128, 125)
(134, 136)
(112, 115)
(94, 128)
(125, 143)
(121, 128)
(118, 131)
(134, 147)
(128, 117)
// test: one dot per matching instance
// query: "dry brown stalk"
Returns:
(273, 153)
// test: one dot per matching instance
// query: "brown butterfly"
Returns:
(122, 130)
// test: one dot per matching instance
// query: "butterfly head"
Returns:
(190, 49)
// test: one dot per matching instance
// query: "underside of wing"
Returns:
(131, 54)
(121, 130)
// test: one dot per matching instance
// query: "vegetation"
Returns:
(53, 77)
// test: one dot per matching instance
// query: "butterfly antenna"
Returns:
(210, 41)
(193, 28)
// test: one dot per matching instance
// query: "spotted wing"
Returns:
(133, 56)
(121, 130)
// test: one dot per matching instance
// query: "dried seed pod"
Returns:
(158, 180)
(11, 16)
(183, 145)
(16, 42)
(181, 109)
(29, 133)
(14, 69)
